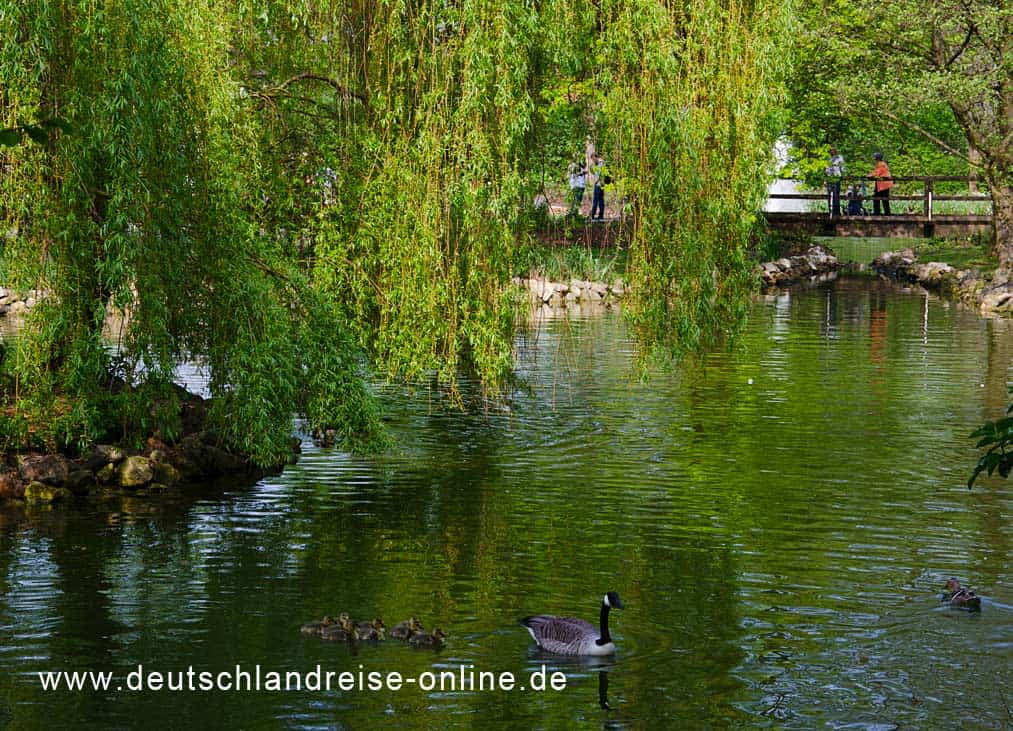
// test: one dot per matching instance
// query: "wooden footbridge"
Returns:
(920, 220)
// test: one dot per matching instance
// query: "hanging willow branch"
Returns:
(344, 91)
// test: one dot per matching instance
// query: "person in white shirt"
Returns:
(578, 181)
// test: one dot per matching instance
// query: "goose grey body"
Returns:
(573, 636)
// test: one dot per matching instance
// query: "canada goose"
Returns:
(343, 630)
(404, 630)
(960, 597)
(434, 640)
(371, 630)
(572, 636)
(313, 628)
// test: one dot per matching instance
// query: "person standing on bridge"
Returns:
(835, 171)
(881, 191)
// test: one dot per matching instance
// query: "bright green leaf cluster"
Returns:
(998, 437)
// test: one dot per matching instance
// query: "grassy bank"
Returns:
(971, 253)
(562, 263)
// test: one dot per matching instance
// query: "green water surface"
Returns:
(779, 522)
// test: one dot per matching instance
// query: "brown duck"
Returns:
(960, 597)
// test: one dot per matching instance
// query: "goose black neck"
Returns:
(603, 625)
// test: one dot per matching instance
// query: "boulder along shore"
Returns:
(196, 457)
(991, 293)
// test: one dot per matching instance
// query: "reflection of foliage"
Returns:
(998, 437)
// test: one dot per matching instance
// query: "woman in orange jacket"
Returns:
(881, 174)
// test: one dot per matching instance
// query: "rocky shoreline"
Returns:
(543, 291)
(816, 264)
(991, 293)
(158, 468)
(16, 303)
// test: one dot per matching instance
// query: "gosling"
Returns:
(371, 630)
(405, 630)
(434, 640)
(313, 628)
(342, 631)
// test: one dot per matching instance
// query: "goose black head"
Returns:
(612, 600)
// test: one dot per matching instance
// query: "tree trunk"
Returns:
(1002, 224)
(974, 157)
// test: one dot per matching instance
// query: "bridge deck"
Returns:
(899, 226)
(925, 225)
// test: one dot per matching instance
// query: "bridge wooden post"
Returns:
(929, 229)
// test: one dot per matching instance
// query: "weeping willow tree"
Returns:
(441, 157)
(431, 183)
(149, 205)
(274, 187)
(693, 102)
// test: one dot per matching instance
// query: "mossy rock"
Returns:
(40, 492)
(106, 475)
(134, 472)
(165, 473)
(80, 482)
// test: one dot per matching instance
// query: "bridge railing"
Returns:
(928, 195)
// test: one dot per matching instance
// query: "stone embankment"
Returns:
(816, 264)
(49, 478)
(543, 291)
(16, 303)
(990, 292)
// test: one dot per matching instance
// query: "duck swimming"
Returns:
(960, 597)
(405, 630)
(572, 636)
(341, 631)
(433, 640)
(313, 628)
(371, 630)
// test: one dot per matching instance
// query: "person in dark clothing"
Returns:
(600, 179)
(834, 172)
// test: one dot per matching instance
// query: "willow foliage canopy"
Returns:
(150, 203)
(285, 190)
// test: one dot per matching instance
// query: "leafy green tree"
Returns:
(998, 437)
(149, 207)
(285, 190)
(436, 146)
(931, 70)
(694, 92)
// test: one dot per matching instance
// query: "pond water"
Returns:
(779, 522)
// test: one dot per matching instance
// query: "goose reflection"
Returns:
(552, 662)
